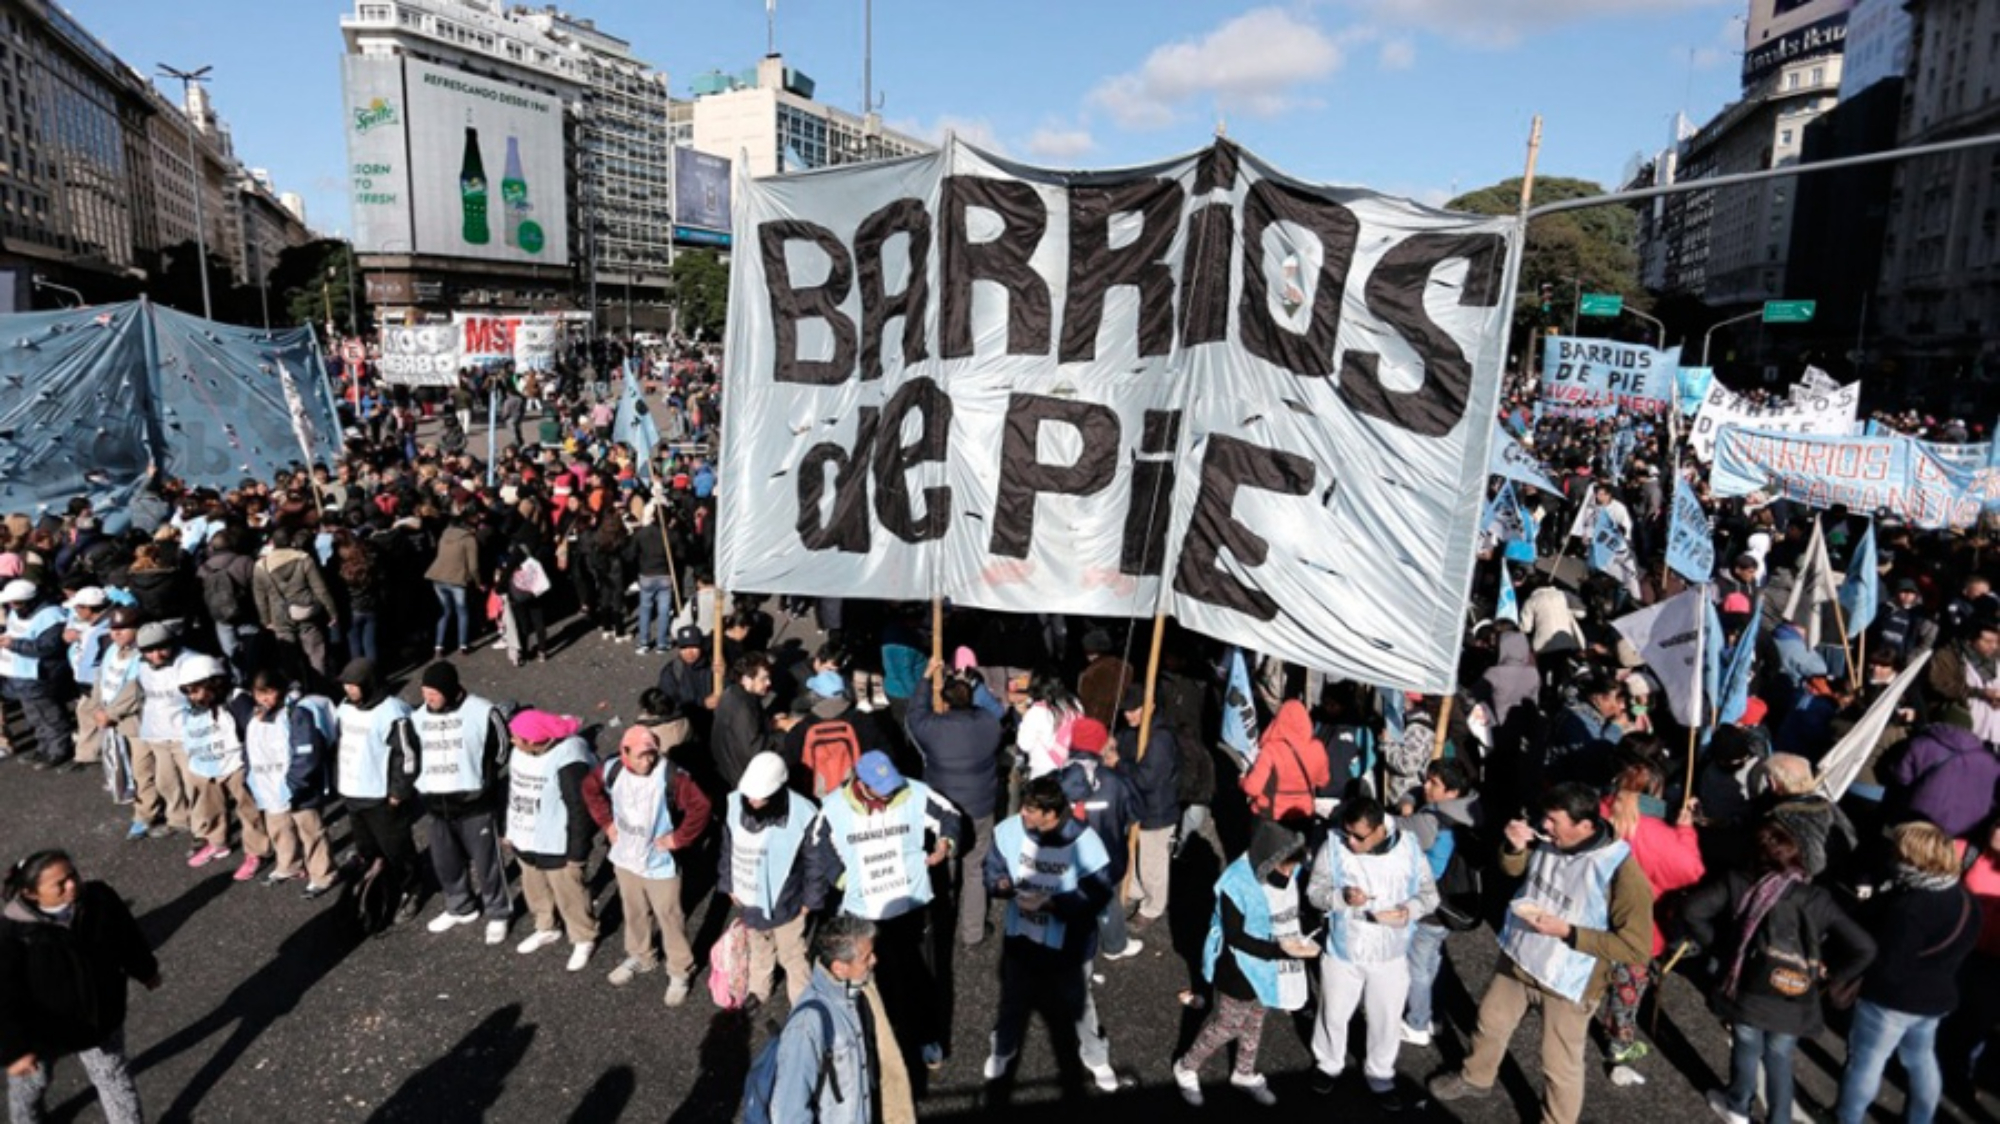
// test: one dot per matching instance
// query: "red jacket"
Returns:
(1291, 767)
(691, 805)
(1669, 855)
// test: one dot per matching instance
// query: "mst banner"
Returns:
(1198, 387)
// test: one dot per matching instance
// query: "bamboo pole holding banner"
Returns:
(1443, 722)
(716, 644)
(1145, 734)
(1699, 711)
(937, 655)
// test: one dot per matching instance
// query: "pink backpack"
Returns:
(729, 967)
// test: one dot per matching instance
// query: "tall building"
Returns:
(1940, 286)
(458, 119)
(770, 115)
(95, 181)
(624, 168)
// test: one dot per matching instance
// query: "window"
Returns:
(1792, 80)
(1818, 75)
(1785, 137)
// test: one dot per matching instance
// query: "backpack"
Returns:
(1460, 888)
(763, 1078)
(221, 594)
(729, 967)
(830, 751)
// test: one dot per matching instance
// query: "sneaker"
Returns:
(997, 1065)
(1414, 1037)
(934, 1055)
(1718, 1103)
(1189, 1083)
(137, 831)
(1254, 1087)
(1629, 1052)
(1389, 1100)
(538, 940)
(677, 991)
(1324, 1083)
(317, 890)
(279, 876)
(159, 831)
(406, 912)
(1132, 948)
(1454, 1087)
(579, 955)
(1104, 1075)
(447, 921)
(643, 650)
(208, 853)
(627, 970)
(496, 931)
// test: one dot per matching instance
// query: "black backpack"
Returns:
(1460, 887)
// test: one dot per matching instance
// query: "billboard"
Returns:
(378, 168)
(1782, 31)
(486, 168)
(701, 190)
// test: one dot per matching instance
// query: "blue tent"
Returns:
(90, 396)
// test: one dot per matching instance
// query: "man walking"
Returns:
(1584, 906)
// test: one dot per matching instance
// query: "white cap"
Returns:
(200, 669)
(89, 597)
(764, 776)
(19, 590)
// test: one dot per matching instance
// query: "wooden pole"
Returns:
(1443, 723)
(673, 577)
(1145, 734)
(716, 646)
(937, 655)
(1700, 708)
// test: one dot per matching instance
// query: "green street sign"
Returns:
(1789, 312)
(1601, 304)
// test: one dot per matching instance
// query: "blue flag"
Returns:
(1522, 549)
(1239, 709)
(1611, 552)
(1508, 607)
(1512, 460)
(1735, 689)
(1861, 590)
(633, 424)
(1711, 661)
(1395, 712)
(1501, 524)
(1622, 443)
(1690, 544)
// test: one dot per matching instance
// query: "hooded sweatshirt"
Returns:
(1233, 934)
(1291, 767)
(289, 579)
(1513, 680)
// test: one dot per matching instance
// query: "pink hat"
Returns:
(538, 726)
(964, 660)
(639, 738)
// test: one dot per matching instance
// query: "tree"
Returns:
(177, 283)
(312, 279)
(1595, 248)
(699, 284)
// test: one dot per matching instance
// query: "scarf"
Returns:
(1910, 878)
(1750, 913)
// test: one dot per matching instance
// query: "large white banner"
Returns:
(1198, 387)
(527, 341)
(419, 355)
(1806, 410)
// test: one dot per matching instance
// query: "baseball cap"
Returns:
(687, 636)
(827, 685)
(89, 597)
(878, 772)
(155, 635)
(125, 617)
(17, 591)
(199, 669)
(765, 775)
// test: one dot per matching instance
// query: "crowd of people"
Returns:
(227, 663)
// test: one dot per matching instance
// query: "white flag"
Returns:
(1814, 589)
(1843, 762)
(1668, 637)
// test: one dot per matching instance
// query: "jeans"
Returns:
(451, 602)
(1879, 1032)
(1112, 936)
(656, 609)
(239, 646)
(361, 631)
(1774, 1051)
(1426, 957)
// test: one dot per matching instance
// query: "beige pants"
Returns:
(89, 735)
(550, 892)
(1565, 1029)
(784, 946)
(1149, 872)
(210, 821)
(653, 905)
(299, 837)
(157, 782)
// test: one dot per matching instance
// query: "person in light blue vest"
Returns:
(1585, 904)
(375, 772)
(549, 829)
(32, 670)
(215, 768)
(462, 750)
(287, 740)
(89, 637)
(651, 812)
(1054, 874)
(870, 854)
(1255, 956)
(764, 828)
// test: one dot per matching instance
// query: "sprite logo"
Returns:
(374, 115)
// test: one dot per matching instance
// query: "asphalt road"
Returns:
(268, 1012)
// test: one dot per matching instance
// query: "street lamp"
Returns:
(1709, 336)
(188, 78)
(42, 282)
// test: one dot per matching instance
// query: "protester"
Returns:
(161, 806)
(1291, 773)
(1446, 828)
(549, 830)
(826, 1069)
(764, 828)
(286, 741)
(32, 671)
(651, 812)
(743, 729)
(462, 743)
(1103, 799)
(960, 750)
(1670, 856)
(67, 948)
(375, 772)
(215, 769)
(1153, 774)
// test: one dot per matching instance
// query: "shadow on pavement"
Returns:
(606, 1097)
(722, 1064)
(162, 922)
(465, 1083)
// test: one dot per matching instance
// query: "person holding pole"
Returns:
(1150, 763)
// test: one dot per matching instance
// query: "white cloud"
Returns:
(975, 131)
(1724, 49)
(1397, 54)
(1059, 142)
(1500, 23)
(1254, 64)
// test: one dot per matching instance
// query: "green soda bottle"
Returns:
(472, 189)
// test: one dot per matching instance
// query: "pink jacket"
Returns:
(1669, 855)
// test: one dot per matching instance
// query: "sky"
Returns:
(1419, 98)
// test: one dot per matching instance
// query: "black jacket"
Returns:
(62, 987)
(961, 752)
(1803, 920)
(1923, 937)
(742, 731)
(687, 685)
(1156, 780)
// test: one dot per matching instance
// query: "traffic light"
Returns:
(1548, 297)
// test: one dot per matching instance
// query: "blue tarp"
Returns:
(89, 397)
